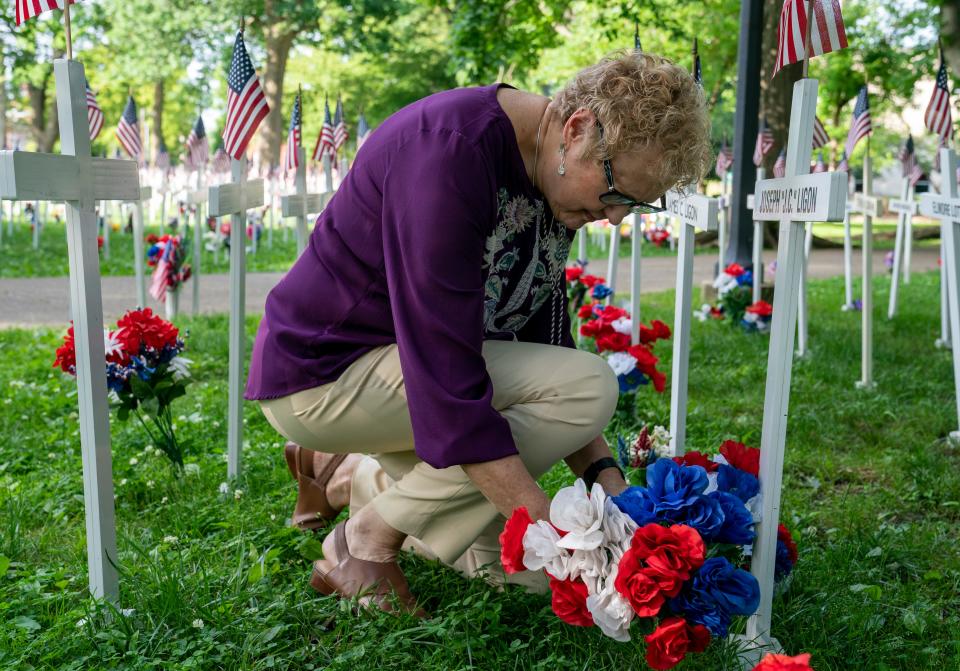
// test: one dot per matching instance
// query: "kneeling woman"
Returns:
(418, 354)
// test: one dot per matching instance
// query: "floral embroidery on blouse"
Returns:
(524, 260)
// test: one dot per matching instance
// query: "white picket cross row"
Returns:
(138, 251)
(848, 247)
(636, 248)
(613, 258)
(946, 208)
(197, 197)
(235, 198)
(106, 229)
(905, 208)
(803, 331)
(80, 180)
(792, 201)
(723, 222)
(301, 203)
(870, 207)
(694, 211)
(328, 171)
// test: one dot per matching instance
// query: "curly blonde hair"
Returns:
(644, 100)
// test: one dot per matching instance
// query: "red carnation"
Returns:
(783, 534)
(67, 353)
(585, 311)
(142, 327)
(590, 280)
(697, 459)
(740, 456)
(774, 662)
(637, 586)
(574, 273)
(671, 554)
(612, 313)
(672, 640)
(734, 270)
(761, 309)
(152, 238)
(511, 540)
(99, 242)
(595, 328)
(613, 342)
(659, 381)
(661, 329)
(569, 602)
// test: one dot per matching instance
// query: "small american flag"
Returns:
(325, 145)
(820, 137)
(246, 104)
(938, 117)
(916, 172)
(221, 161)
(292, 159)
(158, 285)
(764, 143)
(844, 164)
(907, 156)
(27, 9)
(163, 156)
(827, 34)
(861, 126)
(780, 165)
(198, 146)
(128, 131)
(724, 160)
(363, 130)
(340, 133)
(819, 166)
(94, 114)
(697, 70)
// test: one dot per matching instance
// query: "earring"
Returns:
(561, 169)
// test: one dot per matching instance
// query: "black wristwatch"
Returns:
(593, 470)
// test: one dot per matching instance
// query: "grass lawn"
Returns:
(872, 492)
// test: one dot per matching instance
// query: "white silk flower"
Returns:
(611, 612)
(621, 363)
(580, 515)
(540, 550)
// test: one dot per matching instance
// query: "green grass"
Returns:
(872, 492)
(884, 230)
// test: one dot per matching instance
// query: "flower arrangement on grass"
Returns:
(609, 327)
(775, 662)
(657, 235)
(669, 553)
(145, 372)
(167, 255)
(756, 318)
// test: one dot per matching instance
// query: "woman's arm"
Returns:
(507, 485)
(609, 478)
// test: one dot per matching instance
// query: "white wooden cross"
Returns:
(694, 211)
(793, 200)
(197, 198)
(946, 207)
(848, 248)
(80, 180)
(803, 329)
(636, 248)
(866, 204)
(757, 244)
(612, 259)
(235, 198)
(301, 203)
(723, 223)
(905, 208)
(138, 251)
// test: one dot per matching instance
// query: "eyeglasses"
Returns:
(614, 197)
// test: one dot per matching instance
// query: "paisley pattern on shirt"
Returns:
(524, 260)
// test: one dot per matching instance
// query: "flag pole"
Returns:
(693, 63)
(66, 22)
(806, 39)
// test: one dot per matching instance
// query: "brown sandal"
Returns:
(313, 508)
(353, 577)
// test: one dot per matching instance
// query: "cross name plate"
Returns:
(903, 206)
(693, 209)
(807, 199)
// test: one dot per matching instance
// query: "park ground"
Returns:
(218, 580)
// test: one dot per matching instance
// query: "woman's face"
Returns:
(574, 197)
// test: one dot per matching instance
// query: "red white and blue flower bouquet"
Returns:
(664, 559)
(145, 372)
(756, 318)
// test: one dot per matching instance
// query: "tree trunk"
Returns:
(278, 41)
(950, 31)
(775, 94)
(157, 116)
(43, 120)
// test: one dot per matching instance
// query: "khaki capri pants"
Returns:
(556, 400)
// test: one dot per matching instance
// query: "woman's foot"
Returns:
(364, 567)
(323, 484)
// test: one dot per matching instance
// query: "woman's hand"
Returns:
(609, 478)
(508, 485)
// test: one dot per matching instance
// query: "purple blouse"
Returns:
(436, 241)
